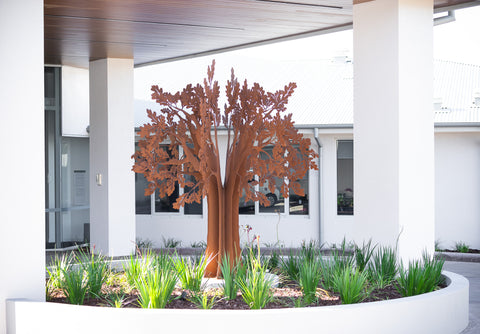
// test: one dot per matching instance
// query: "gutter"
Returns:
(450, 17)
(315, 135)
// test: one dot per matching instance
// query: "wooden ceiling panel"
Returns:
(151, 30)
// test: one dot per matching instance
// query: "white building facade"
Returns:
(327, 213)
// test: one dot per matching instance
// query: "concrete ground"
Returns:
(471, 271)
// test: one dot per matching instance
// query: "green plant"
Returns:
(200, 244)
(96, 270)
(290, 266)
(229, 271)
(143, 243)
(308, 279)
(190, 273)
(334, 266)
(274, 260)
(203, 300)
(115, 299)
(171, 242)
(49, 288)
(342, 256)
(138, 266)
(254, 284)
(462, 247)
(434, 267)
(74, 285)
(383, 268)
(309, 251)
(420, 277)
(351, 285)
(162, 261)
(363, 255)
(55, 272)
(155, 287)
(133, 269)
(437, 246)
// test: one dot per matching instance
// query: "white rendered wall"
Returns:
(393, 124)
(112, 204)
(75, 102)
(457, 189)
(22, 177)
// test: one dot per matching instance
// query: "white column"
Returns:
(393, 124)
(22, 168)
(112, 183)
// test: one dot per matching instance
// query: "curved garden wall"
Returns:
(442, 311)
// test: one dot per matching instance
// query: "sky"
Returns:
(457, 41)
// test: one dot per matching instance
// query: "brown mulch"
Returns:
(284, 297)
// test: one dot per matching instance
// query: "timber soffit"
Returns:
(153, 31)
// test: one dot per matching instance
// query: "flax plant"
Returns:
(155, 287)
(256, 288)
(383, 268)
(229, 273)
(55, 272)
(308, 279)
(74, 285)
(138, 265)
(420, 276)
(352, 285)
(290, 266)
(96, 270)
(190, 274)
(363, 255)
(203, 300)
(334, 266)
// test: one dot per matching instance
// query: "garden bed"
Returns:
(441, 311)
(284, 297)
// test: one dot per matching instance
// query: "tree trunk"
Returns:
(223, 237)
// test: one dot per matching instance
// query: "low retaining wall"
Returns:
(442, 311)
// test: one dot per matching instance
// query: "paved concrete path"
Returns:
(471, 271)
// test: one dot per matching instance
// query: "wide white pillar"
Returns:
(22, 168)
(112, 183)
(393, 124)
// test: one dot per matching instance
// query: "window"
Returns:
(345, 177)
(143, 204)
(294, 205)
(246, 208)
(298, 205)
(192, 208)
(276, 201)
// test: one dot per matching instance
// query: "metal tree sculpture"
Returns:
(262, 146)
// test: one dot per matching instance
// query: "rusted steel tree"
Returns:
(262, 146)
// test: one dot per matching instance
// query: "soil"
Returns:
(284, 297)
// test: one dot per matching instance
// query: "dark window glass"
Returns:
(143, 204)
(192, 208)
(276, 201)
(165, 204)
(345, 177)
(246, 208)
(298, 205)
